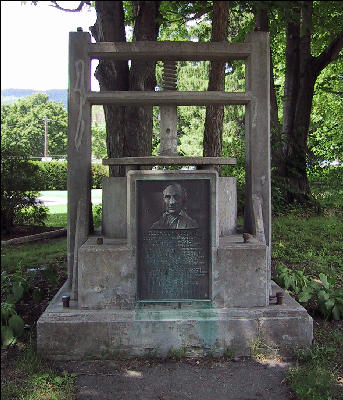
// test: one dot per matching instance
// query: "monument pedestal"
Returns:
(107, 321)
(147, 289)
(195, 330)
(190, 288)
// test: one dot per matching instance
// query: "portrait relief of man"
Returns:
(175, 216)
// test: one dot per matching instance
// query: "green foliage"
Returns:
(99, 172)
(313, 243)
(31, 215)
(312, 383)
(35, 380)
(327, 298)
(22, 125)
(57, 220)
(20, 181)
(33, 254)
(325, 139)
(318, 295)
(317, 369)
(53, 174)
(177, 15)
(327, 189)
(294, 281)
(304, 248)
(99, 149)
(97, 215)
(13, 287)
(177, 354)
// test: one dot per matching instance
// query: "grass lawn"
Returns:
(63, 194)
(33, 254)
(313, 244)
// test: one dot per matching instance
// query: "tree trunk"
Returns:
(129, 128)
(215, 114)
(110, 27)
(138, 138)
(299, 87)
(302, 70)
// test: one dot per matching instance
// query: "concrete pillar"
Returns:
(79, 142)
(258, 134)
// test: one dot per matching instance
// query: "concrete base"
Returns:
(195, 330)
(107, 275)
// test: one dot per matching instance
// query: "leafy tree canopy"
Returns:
(22, 126)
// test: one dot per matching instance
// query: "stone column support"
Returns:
(258, 134)
(79, 144)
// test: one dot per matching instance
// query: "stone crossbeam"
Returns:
(169, 161)
(169, 50)
(169, 97)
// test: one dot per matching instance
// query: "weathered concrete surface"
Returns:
(79, 140)
(257, 133)
(240, 277)
(114, 208)
(168, 131)
(108, 279)
(107, 275)
(71, 333)
(227, 205)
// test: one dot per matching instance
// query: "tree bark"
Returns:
(110, 27)
(298, 103)
(215, 114)
(138, 138)
(129, 128)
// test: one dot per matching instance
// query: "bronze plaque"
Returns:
(173, 217)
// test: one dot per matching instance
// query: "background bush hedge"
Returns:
(53, 175)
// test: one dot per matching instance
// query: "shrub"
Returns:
(320, 295)
(327, 298)
(99, 171)
(13, 287)
(20, 182)
(294, 281)
(31, 215)
(54, 175)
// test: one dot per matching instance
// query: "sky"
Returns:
(34, 44)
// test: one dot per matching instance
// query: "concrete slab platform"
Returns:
(195, 330)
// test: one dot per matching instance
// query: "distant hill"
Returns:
(9, 96)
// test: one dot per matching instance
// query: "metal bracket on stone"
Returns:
(168, 128)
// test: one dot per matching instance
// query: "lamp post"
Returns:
(46, 136)
(45, 119)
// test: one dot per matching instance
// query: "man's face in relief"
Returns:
(173, 199)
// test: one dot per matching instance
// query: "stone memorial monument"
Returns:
(169, 271)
